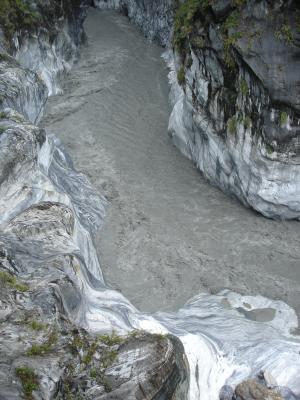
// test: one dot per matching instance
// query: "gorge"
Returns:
(168, 235)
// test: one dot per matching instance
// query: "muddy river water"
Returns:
(168, 234)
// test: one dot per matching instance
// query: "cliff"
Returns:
(236, 99)
(47, 257)
(234, 91)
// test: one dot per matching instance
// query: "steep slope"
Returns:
(234, 92)
(47, 258)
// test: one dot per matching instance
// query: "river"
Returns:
(168, 234)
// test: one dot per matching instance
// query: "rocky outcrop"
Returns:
(252, 389)
(43, 353)
(233, 115)
(21, 89)
(43, 37)
(234, 92)
(157, 365)
(35, 55)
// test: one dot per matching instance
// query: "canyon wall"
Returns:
(48, 214)
(234, 91)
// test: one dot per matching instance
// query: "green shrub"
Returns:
(134, 334)
(233, 20)
(36, 325)
(29, 381)
(16, 15)
(10, 281)
(229, 43)
(87, 358)
(285, 33)
(108, 357)
(184, 21)
(93, 373)
(233, 38)
(181, 76)
(5, 57)
(198, 41)
(44, 348)
(77, 343)
(111, 340)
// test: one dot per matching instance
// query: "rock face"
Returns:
(35, 57)
(235, 93)
(235, 117)
(21, 89)
(46, 354)
(46, 41)
(148, 367)
(42, 299)
(251, 389)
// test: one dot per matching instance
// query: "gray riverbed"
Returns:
(168, 234)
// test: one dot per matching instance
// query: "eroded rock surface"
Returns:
(21, 89)
(46, 250)
(61, 360)
(230, 114)
(41, 299)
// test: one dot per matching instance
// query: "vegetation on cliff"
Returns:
(28, 16)
(29, 381)
(229, 34)
(16, 15)
(10, 281)
(193, 18)
(191, 23)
